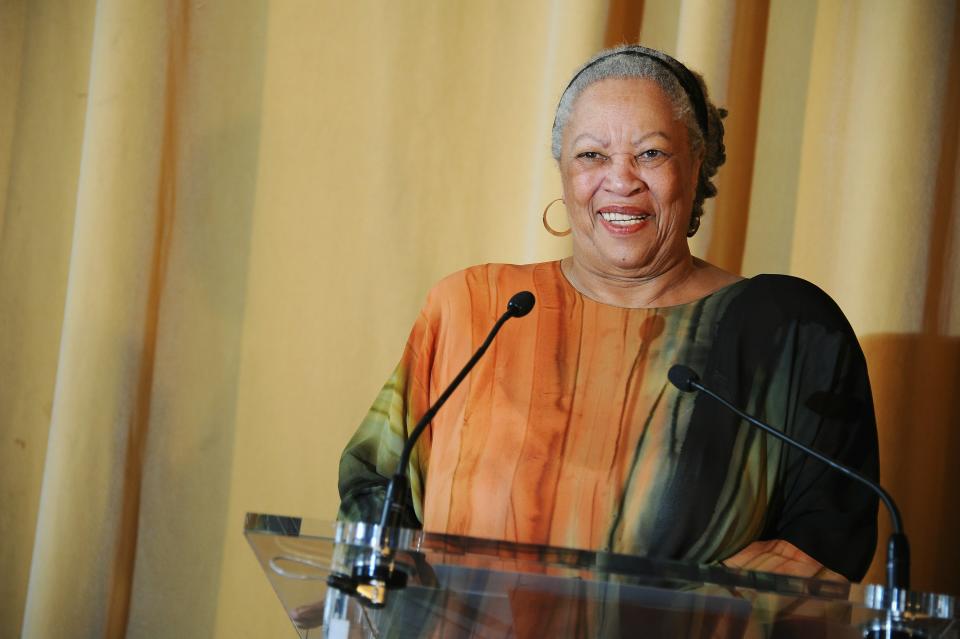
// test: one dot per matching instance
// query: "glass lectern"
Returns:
(468, 587)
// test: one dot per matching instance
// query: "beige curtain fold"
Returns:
(43, 97)
(89, 505)
(218, 220)
(731, 212)
(857, 192)
(875, 212)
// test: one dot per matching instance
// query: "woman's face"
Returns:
(629, 179)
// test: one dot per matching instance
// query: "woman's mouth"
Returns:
(621, 221)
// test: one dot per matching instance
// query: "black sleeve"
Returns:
(789, 355)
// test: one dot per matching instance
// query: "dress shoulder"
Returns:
(785, 297)
(490, 272)
(488, 286)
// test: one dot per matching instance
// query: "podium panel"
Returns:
(469, 587)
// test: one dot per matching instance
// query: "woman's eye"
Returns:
(589, 155)
(651, 154)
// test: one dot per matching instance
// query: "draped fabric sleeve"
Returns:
(372, 454)
(796, 363)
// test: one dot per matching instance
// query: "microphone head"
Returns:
(683, 377)
(521, 304)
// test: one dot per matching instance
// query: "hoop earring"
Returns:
(546, 225)
(694, 226)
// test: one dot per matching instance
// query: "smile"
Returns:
(623, 219)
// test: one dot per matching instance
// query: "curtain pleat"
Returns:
(86, 527)
(43, 98)
(218, 221)
(624, 18)
(916, 372)
(156, 265)
(740, 135)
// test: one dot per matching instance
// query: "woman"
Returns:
(568, 432)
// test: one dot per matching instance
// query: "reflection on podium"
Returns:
(468, 587)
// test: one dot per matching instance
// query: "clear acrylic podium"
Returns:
(468, 587)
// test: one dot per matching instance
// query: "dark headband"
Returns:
(682, 74)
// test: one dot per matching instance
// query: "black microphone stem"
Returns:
(883, 494)
(898, 549)
(393, 503)
(428, 416)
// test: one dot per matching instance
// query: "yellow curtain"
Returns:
(218, 220)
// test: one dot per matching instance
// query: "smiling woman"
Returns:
(629, 179)
(568, 433)
(637, 143)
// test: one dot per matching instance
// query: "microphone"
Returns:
(898, 550)
(372, 581)
(894, 626)
(682, 377)
(520, 304)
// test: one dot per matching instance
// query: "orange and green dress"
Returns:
(568, 433)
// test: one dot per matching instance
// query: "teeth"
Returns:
(622, 219)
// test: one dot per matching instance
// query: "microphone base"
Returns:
(370, 582)
(890, 628)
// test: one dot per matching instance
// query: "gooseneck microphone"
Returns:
(898, 550)
(371, 580)
(518, 306)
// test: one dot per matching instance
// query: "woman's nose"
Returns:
(624, 175)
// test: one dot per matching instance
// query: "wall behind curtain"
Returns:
(218, 220)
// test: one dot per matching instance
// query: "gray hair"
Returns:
(654, 65)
